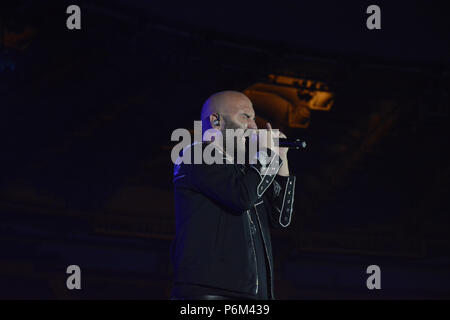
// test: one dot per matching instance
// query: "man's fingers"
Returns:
(274, 134)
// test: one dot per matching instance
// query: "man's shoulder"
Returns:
(205, 170)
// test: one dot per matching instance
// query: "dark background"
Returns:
(86, 118)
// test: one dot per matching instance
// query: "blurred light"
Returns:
(288, 101)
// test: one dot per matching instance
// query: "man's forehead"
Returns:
(244, 105)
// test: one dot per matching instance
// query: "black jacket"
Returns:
(216, 207)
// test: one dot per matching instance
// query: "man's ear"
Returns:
(214, 119)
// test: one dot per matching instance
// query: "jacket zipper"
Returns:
(267, 252)
(254, 251)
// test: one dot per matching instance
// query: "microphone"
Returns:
(295, 143)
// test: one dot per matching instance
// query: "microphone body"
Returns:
(294, 143)
(291, 143)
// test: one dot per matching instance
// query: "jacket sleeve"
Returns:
(281, 196)
(231, 186)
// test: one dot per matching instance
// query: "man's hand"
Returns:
(268, 142)
(282, 152)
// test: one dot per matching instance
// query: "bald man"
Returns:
(222, 248)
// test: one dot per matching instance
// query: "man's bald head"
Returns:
(234, 107)
(224, 102)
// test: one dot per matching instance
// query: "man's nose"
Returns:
(252, 125)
